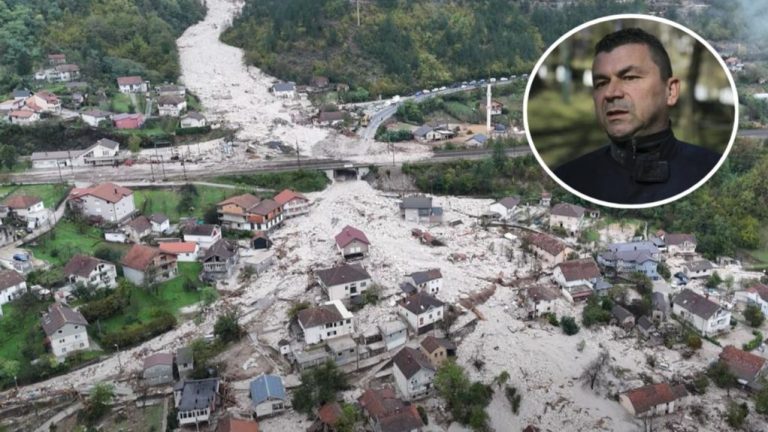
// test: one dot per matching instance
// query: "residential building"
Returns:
(422, 311)
(428, 281)
(393, 333)
(248, 212)
(654, 400)
(171, 90)
(344, 282)
(644, 326)
(427, 133)
(95, 117)
(65, 330)
(106, 201)
(386, 412)
(260, 240)
(419, 209)
(131, 84)
(698, 269)
(540, 300)
(704, 315)
(184, 251)
(158, 369)
(30, 209)
(128, 121)
(219, 260)
(91, 272)
(330, 118)
(138, 228)
(437, 350)
(477, 140)
(622, 317)
(185, 361)
(286, 90)
(324, 322)
(293, 203)
(228, 423)
(577, 278)
(171, 105)
(352, 243)
(147, 265)
(549, 250)
(749, 369)
(196, 400)
(679, 243)
(45, 102)
(268, 396)
(639, 256)
(328, 417)
(23, 117)
(342, 350)
(569, 217)
(413, 373)
(659, 306)
(103, 152)
(205, 235)
(12, 286)
(193, 119)
(505, 207)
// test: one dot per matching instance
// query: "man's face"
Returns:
(631, 99)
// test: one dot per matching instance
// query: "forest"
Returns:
(106, 38)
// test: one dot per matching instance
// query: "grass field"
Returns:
(300, 180)
(166, 201)
(49, 193)
(121, 103)
(143, 419)
(67, 240)
(20, 329)
(170, 296)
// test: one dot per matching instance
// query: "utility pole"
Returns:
(58, 165)
(162, 166)
(298, 160)
(117, 348)
(184, 169)
(358, 13)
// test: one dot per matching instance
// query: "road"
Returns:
(755, 133)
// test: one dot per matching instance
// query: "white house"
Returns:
(698, 269)
(344, 282)
(145, 264)
(102, 152)
(756, 294)
(414, 373)
(393, 333)
(27, 208)
(65, 329)
(630, 257)
(131, 84)
(159, 223)
(284, 90)
(90, 271)
(548, 249)
(703, 314)
(184, 251)
(193, 119)
(196, 400)
(505, 207)
(94, 117)
(171, 105)
(418, 208)
(566, 216)
(108, 201)
(12, 286)
(23, 117)
(268, 395)
(429, 281)
(294, 203)
(421, 311)
(324, 322)
(205, 235)
(541, 299)
(679, 243)
(654, 400)
(572, 275)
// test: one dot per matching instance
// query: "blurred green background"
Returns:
(560, 111)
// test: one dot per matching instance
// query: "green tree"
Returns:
(8, 156)
(348, 419)
(98, 403)
(569, 326)
(714, 281)
(721, 375)
(318, 386)
(754, 315)
(134, 144)
(761, 398)
(736, 414)
(227, 328)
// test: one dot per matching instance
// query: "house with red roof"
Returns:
(748, 368)
(90, 272)
(28, 208)
(577, 278)
(247, 212)
(23, 117)
(146, 265)
(388, 413)
(128, 121)
(183, 250)
(569, 217)
(106, 201)
(548, 249)
(293, 203)
(654, 400)
(352, 243)
(756, 294)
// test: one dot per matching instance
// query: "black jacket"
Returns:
(638, 171)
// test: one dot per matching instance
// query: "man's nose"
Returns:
(613, 90)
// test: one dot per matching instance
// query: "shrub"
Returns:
(104, 308)
(754, 315)
(568, 323)
(755, 342)
(552, 318)
(136, 333)
(693, 341)
(514, 398)
(737, 414)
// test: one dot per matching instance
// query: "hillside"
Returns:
(106, 38)
(404, 45)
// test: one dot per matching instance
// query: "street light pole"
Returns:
(117, 348)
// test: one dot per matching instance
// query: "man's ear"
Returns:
(673, 91)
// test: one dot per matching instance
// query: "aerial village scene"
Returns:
(311, 215)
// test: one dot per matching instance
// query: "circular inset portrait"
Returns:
(631, 111)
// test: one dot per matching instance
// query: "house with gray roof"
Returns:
(220, 259)
(680, 243)
(622, 317)
(65, 330)
(196, 400)
(90, 272)
(393, 333)
(138, 228)
(286, 90)
(698, 269)
(326, 321)
(569, 217)
(192, 119)
(344, 282)
(631, 257)
(419, 209)
(268, 395)
(185, 361)
(429, 281)
(706, 316)
(659, 306)
(413, 372)
(158, 369)
(477, 140)
(422, 311)
(12, 286)
(505, 207)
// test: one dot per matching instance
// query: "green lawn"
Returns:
(67, 240)
(166, 201)
(145, 419)
(170, 296)
(120, 103)
(49, 193)
(300, 180)
(20, 327)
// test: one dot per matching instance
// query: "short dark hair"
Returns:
(635, 35)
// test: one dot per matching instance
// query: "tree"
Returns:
(643, 284)
(595, 370)
(8, 156)
(98, 402)
(211, 215)
(318, 386)
(714, 281)
(349, 417)
(134, 144)
(736, 414)
(227, 327)
(754, 315)
(761, 398)
(693, 341)
(663, 270)
(721, 375)
(569, 326)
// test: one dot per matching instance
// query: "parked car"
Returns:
(503, 79)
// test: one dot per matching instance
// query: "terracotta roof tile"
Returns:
(647, 397)
(349, 234)
(22, 201)
(108, 192)
(744, 365)
(288, 195)
(585, 268)
(244, 201)
(176, 248)
(82, 265)
(140, 256)
(549, 244)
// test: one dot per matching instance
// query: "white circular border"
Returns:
(575, 30)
